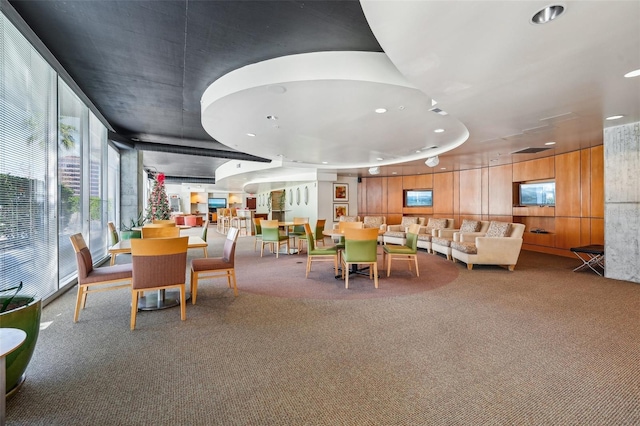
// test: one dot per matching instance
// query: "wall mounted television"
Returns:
(538, 194)
(217, 203)
(418, 198)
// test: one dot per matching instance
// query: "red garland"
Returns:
(160, 177)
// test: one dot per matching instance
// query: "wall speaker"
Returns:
(359, 179)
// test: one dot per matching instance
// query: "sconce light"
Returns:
(374, 170)
(432, 161)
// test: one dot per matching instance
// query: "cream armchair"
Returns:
(346, 219)
(441, 241)
(397, 234)
(378, 222)
(435, 227)
(499, 246)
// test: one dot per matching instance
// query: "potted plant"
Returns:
(129, 232)
(22, 312)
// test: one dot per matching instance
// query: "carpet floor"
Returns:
(538, 346)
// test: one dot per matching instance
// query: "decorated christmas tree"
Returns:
(158, 202)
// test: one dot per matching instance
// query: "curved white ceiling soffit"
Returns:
(318, 110)
(487, 64)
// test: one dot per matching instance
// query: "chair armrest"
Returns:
(469, 237)
(445, 233)
(395, 228)
(499, 250)
(383, 227)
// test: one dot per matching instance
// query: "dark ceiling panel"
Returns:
(129, 57)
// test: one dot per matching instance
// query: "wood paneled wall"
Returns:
(490, 193)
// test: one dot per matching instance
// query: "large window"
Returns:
(57, 176)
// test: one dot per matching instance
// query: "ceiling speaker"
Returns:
(374, 170)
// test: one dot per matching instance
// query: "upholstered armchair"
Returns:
(500, 245)
(442, 239)
(397, 234)
(434, 228)
(378, 222)
(346, 219)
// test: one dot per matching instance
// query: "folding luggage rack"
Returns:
(592, 257)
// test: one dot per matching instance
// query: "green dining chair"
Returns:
(317, 235)
(407, 252)
(258, 232)
(271, 235)
(325, 254)
(361, 248)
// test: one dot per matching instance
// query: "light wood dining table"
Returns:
(124, 246)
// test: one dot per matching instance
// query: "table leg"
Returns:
(162, 299)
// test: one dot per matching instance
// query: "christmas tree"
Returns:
(158, 202)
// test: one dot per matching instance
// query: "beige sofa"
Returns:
(434, 228)
(500, 245)
(397, 234)
(441, 242)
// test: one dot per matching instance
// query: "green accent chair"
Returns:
(325, 254)
(317, 235)
(271, 235)
(298, 230)
(361, 247)
(407, 252)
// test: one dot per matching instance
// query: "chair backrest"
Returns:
(311, 244)
(412, 236)
(361, 245)
(233, 212)
(205, 227)
(257, 225)
(349, 225)
(83, 257)
(349, 218)
(160, 232)
(229, 249)
(113, 234)
(163, 222)
(320, 229)
(298, 224)
(158, 262)
(270, 230)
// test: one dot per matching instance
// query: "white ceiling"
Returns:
(505, 83)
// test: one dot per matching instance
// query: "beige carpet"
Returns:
(538, 346)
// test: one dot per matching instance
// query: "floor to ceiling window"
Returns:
(58, 176)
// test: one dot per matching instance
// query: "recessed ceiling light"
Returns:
(394, 173)
(381, 110)
(253, 135)
(271, 117)
(379, 158)
(438, 131)
(325, 162)
(549, 143)
(614, 117)
(418, 151)
(635, 73)
(547, 14)
(443, 168)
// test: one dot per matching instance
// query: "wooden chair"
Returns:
(299, 231)
(258, 235)
(158, 264)
(113, 234)
(163, 222)
(92, 280)
(317, 235)
(271, 235)
(361, 247)
(160, 232)
(215, 267)
(325, 254)
(407, 252)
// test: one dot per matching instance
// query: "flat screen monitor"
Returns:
(538, 194)
(217, 203)
(418, 198)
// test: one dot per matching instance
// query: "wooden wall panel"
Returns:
(375, 187)
(456, 200)
(585, 183)
(443, 194)
(470, 191)
(500, 190)
(567, 232)
(585, 231)
(409, 182)
(597, 181)
(394, 194)
(541, 168)
(485, 193)
(597, 231)
(568, 184)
